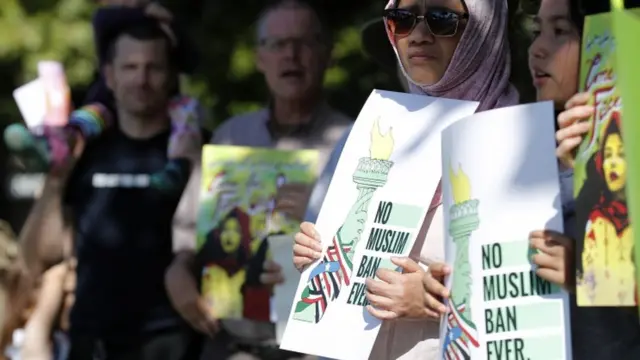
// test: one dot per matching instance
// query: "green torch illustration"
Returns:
(327, 278)
(463, 220)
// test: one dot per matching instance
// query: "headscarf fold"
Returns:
(481, 64)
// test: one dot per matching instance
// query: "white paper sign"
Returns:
(281, 249)
(378, 197)
(500, 182)
(32, 103)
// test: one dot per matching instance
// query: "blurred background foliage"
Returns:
(226, 81)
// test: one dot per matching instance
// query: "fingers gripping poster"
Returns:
(500, 182)
(384, 182)
(237, 208)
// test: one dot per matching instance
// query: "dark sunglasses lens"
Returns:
(442, 23)
(400, 22)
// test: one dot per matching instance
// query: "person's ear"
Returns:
(109, 76)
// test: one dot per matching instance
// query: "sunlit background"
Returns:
(226, 82)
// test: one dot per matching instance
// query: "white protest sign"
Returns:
(31, 101)
(500, 182)
(384, 182)
(281, 249)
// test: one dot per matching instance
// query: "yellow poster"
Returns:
(237, 202)
(626, 29)
(605, 266)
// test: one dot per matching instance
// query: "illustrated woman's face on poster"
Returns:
(614, 164)
(230, 235)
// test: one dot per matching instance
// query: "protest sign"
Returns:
(605, 268)
(626, 30)
(281, 250)
(32, 103)
(237, 199)
(499, 183)
(383, 184)
(56, 92)
(45, 100)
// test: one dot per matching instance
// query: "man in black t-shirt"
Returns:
(105, 204)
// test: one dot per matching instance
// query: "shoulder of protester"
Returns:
(242, 121)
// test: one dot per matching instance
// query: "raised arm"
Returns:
(47, 231)
(37, 344)
(47, 235)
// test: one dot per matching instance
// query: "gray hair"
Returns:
(291, 4)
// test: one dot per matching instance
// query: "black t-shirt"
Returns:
(123, 230)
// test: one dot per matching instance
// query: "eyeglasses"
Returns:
(279, 44)
(441, 21)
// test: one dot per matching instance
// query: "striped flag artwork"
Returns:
(458, 335)
(325, 282)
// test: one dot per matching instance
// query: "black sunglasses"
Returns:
(441, 21)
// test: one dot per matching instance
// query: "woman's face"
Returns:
(230, 236)
(424, 56)
(614, 164)
(554, 55)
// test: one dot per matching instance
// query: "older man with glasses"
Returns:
(293, 52)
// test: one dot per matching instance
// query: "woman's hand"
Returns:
(405, 295)
(271, 273)
(292, 199)
(554, 258)
(433, 283)
(573, 125)
(307, 247)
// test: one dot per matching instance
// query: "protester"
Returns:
(382, 52)
(103, 202)
(293, 53)
(294, 50)
(114, 15)
(447, 55)
(598, 333)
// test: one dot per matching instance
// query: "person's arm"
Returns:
(185, 218)
(180, 278)
(47, 230)
(37, 342)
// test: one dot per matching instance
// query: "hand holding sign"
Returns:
(554, 258)
(292, 199)
(401, 295)
(307, 247)
(271, 273)
(573, 126)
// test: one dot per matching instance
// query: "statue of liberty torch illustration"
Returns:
(334, 271)
(463, 220)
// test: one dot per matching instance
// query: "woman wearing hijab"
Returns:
(446, 48)
(598, 333)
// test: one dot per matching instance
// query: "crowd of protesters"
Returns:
(109, 269)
